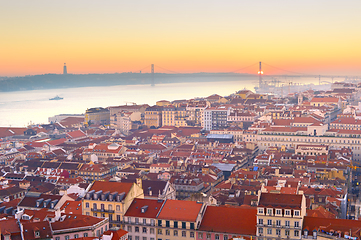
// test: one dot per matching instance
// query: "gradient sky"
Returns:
(308, 36)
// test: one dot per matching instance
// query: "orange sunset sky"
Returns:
(308, 36)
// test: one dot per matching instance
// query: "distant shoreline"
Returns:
(61, 81)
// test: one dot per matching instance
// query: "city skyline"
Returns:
(205, 36)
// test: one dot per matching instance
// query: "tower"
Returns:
(65, 71)
(152, 74)
(260, 73)
(300, 98)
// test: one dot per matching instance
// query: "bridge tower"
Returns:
(260, 73)
(152, 74)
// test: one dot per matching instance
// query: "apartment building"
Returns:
(140, 219)
(97, 116)
(215, 118)
(111, 200)
(175, 116)
(153, 116)
(280, 215)
(179, 220)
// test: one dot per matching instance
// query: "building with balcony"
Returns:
(280, 215)
(111, 200)
(140, 219)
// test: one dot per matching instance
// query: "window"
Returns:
(287, 212)
(287, 232)
(191, 234)
(260, 221)
(175, 224)
(296, 233)
(269, 230)
(260, 230)
(129, 237)
(167, 232)
(136, 229)
(95, 214)
(87, 205)
(85, 235)
(160, 232)
(144, 238)
(225, 237)
(217, 236)
(94, 206)
(98, 233)
(278, 211)
(129, 228)
(151, 230)
(152, 222)
(278, 222)
(144, 230)
(192, 225)
(136, 237)
(297, 224)
(136, 220)
(66, 237)
(184, 224)
(160, 223)
(76, 235)
(110, 207)
(200, 235)
(278, 232)
(118, 218)
(57, 238)
(208, 236)
(269, 222)
(184, 234)
(144, 221)
(287, 223)
(175, 233)
(110, 217)
(270, 211)
(167, 224)
(117, 207)
(297, 213)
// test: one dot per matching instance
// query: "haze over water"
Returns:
(20, 108)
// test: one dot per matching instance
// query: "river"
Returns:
(18, 109)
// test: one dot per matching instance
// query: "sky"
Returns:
(308, 36)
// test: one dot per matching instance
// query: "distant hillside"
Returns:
(54, 81)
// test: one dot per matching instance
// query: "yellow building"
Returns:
(111, 200)
(153, 116)
(162, 103)
(172, 116)
(97, 116)
(280, 215)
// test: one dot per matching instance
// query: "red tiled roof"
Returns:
(76, 221)
(153, 207)
(281, 200)
(180, 210)
(111, 186)
(226, 219)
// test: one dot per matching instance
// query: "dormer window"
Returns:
(260, 210)
(287, 212)
(297, 213)
(37, 234)
(269, 211)
(278, 212)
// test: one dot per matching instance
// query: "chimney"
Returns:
(139, 182)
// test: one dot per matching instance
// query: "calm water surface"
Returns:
(17, 109)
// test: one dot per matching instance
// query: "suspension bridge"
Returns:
(264, 79)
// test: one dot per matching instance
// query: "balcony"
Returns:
(102, 210)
